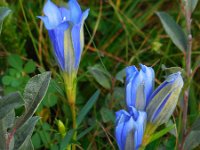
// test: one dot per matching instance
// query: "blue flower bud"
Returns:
(65, 28)
(130, 128)
(164, 99)
(139, 86)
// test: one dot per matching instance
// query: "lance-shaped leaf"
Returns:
(23, 134)
(87, 107)
(9, 103)
(164, 99)
(174, 31)
(34, 92)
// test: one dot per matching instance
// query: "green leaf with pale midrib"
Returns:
(10, 102)
(34, 92)
(23, 134)
(174, 31)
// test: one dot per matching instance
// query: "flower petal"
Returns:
(85, 15)
(141, 125)
(57, 40)
(118, 135)
(130, 73)
(65, 14)
(53, 13)
(75, 11)
(75, 33)
(133, 112)
(46, 22)
(122, 116)
(129, 126)
(68, 51)
(135, 83)
(149, 77)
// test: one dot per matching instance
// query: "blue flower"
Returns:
(130, 127)
(139, 86)
(144, 104)
(164, 99)
(65, 28)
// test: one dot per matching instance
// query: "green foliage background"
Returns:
(117, 34)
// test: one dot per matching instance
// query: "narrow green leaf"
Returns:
(87, 107)
(101, 76)
(10, 102)
(23, 134)
(86, 131)
(4, 11)
(65, 142)
(34, 92)
(174, 31)
(161, 133)
(192, 140)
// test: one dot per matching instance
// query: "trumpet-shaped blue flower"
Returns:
(164, 99)
(139, 86)
(65, 28)
(130, 127)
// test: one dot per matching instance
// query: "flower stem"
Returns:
(187, 12)
(188, 67)
(73, 110)
(150, 128)
(70, 87)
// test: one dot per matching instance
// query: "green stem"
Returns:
(73, 110)
(70, 87)
(150, 128)
(188, 19)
